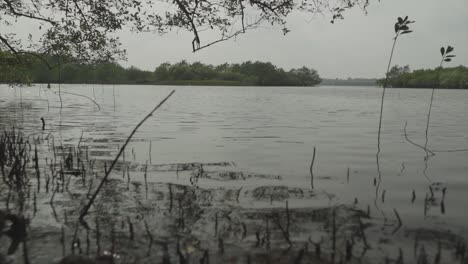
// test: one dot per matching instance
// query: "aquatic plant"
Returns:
(401, 28)
(446, 57)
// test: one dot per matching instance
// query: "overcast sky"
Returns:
(357, 46)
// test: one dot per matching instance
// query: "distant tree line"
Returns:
(449, 78)
(181, 73)
(350, 82)
(248, 73)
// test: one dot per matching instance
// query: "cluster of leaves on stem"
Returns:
(402, 26)
(446, 57)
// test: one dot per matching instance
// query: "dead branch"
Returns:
(85, 210)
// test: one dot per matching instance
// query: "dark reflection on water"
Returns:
(272, 131)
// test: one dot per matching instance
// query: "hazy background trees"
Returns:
(452, 78)
(247, 73)
(85, 31)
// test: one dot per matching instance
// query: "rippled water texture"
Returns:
(272, 131)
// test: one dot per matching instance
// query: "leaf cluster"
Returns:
(402, 26)
(446, 56)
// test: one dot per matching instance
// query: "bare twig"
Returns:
(5, 41)
(75, 94)
(233, 35)
(362, 233)
(146, 179)
(50, 67)
(84, 97)
(333, 235)
(450, 150)
(150, 237)
(415, 144)
(285, 230)
(400, 223)
(101, 184)
(150, 153)
(311, 170)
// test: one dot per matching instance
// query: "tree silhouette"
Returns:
(84, 31)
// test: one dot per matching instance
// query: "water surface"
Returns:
(273, 130)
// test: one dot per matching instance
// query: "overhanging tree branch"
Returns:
(81, 13)
(196, 40)
(233, 35)
(5, 41)
(264, 6)
(16, 13)
(241, 6)
(50, 67)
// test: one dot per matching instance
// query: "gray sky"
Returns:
(357, 46)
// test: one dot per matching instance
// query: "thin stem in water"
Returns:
(379, 173)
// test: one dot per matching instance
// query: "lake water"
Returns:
(273, 130)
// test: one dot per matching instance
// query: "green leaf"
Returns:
(449, 49)
(450, 56)
(448, 60)
(442, 51)
(400, 20)
(406, 32)
(397, 27)
(406, 19)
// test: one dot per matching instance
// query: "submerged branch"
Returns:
(415, 144)
(80, 95)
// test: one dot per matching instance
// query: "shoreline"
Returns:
(184, 83)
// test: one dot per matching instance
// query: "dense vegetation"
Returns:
(88, 30)
(350, 82)
(197, 73)
(450, 78)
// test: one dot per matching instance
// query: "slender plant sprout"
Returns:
(445, 58)
(401, 28)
